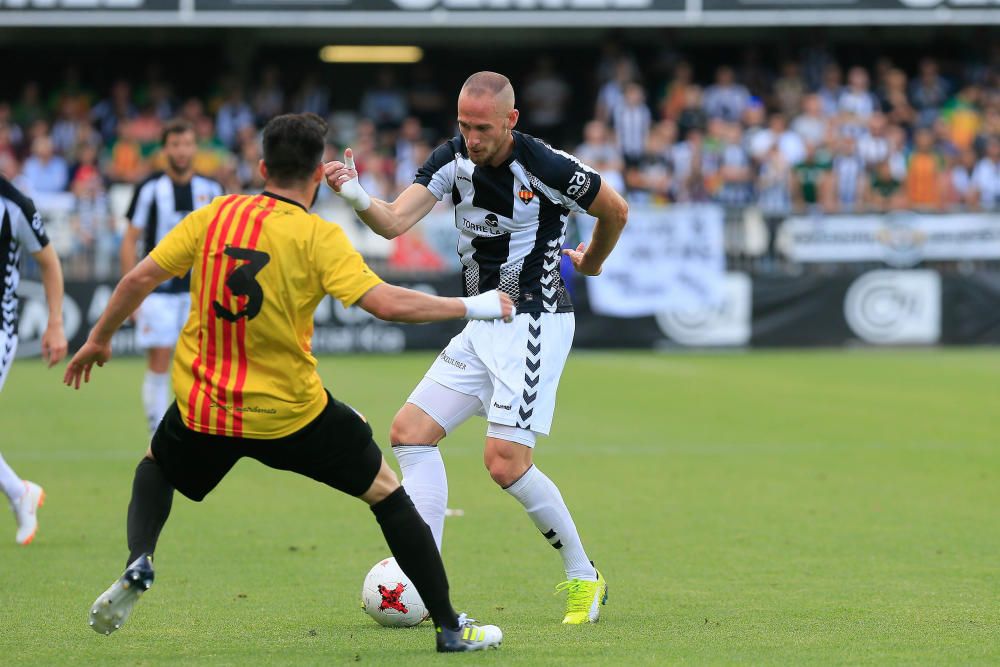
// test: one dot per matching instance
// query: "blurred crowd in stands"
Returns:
(805, 135)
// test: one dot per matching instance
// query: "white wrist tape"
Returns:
(485, 306)
(352, 192)
(355, 195)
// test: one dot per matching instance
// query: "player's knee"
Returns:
(504, 471)
(407, 429)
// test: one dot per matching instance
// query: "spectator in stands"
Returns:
(812, 181)
(929, 91)
(44, 172)
(726, 99)
(831, 89)
(600, 151)
(70, 118)
(90, 217)
(212, 155)
(269, 98)
(811, 125)
(960, 191)
(736, 174)
(961, 116)
(107, 113)
(410, 152)
(774, 186)
(895, 101)
(29, 107)
(777, 134)
(161, 100)
(873, 145)
(925, 172)
(856, 101)
(426, 99)
(674, 98)
(885, 191)
(544, 99)
(693, 116)
(125, 163)
(648, 178)
(385, 103)
(612, 92)
(688, 161)
(849, 176)
(311, 97)
(233, 115)
(631, 121)
(986, 177)
(789, 90)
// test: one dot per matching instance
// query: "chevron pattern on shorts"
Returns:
(550, 275)
(532, 371)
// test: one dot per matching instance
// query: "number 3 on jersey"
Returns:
(243, 282)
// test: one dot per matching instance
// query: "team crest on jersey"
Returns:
(525, 195)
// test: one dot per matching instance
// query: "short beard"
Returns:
(177, 170)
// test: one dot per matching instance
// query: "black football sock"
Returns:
(412, 544)
(152, 496)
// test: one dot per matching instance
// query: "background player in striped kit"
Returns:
(512, 195)
(21, 226)
(159, 203)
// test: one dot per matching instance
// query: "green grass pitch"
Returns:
(757, 508)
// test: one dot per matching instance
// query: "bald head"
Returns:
(493, 85)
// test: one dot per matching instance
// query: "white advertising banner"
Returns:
(668, 259)
(898, 239)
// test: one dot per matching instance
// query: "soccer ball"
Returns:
(389, 597)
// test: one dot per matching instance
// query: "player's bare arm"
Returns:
(611, 212)
(54, 338)
(130, 292)
(399, 304)
(129, 256)
(386, 219)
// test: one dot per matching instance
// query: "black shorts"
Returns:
(336, 449)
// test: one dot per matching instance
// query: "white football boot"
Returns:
(26, 512)
(112, 607)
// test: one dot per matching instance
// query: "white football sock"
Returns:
(426, 483)
(12, 485)
(155, 397)
(545, 506)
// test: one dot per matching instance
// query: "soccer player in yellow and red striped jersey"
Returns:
(246, 380)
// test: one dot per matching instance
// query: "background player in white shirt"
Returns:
(512, 196)
(159, 203)
(21, 226)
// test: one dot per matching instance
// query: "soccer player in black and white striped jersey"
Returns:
(21, 227)
(512, 195)
(159, 203)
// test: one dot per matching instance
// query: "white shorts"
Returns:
(512, 369)
(8, 347)
(160, 318)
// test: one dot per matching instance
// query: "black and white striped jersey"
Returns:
(159, 204)
(20, 227)
(511, 219)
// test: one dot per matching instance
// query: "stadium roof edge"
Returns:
(502, 19)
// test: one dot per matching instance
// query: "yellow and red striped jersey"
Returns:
(259, 266)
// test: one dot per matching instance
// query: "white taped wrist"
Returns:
(355, 195)
(484, 306)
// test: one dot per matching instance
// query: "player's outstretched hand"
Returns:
(53, 345)
(79, 366)
(342, 177)
(580, 260)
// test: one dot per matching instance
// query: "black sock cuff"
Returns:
(392, 503)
